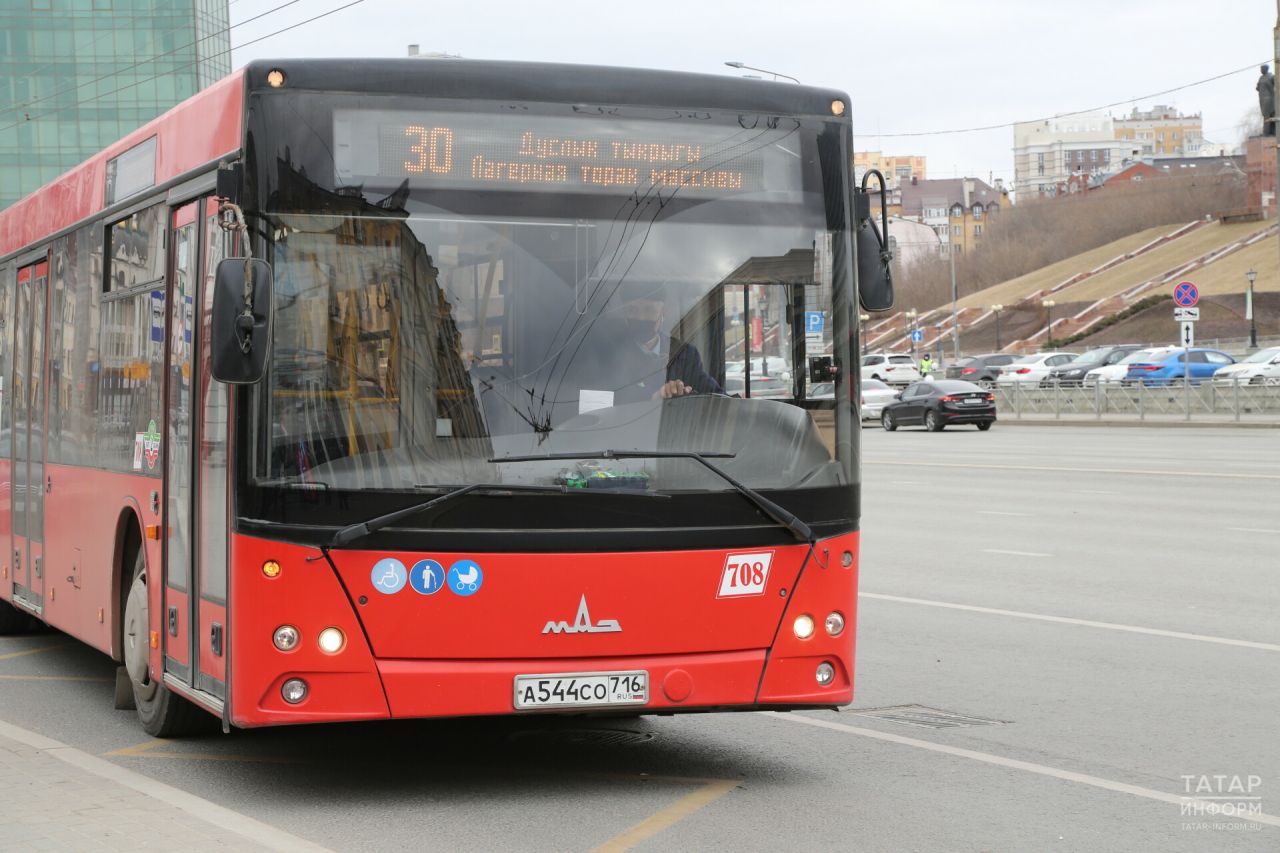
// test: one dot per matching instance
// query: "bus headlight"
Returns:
(294, 691)
(826, 673)
(835, 623)
(285, 637)
(331, 641)
(803, 627)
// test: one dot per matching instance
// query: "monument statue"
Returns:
(1267, 100)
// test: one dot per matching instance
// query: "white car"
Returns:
(875, 394)
(1263, 367)
(889, 368)
(1030, 369)
(1116, 373)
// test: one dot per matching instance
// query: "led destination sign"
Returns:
(468, 151)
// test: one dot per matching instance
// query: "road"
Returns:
(1153, 553)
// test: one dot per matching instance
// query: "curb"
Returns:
(1136, 423)
(212, 813)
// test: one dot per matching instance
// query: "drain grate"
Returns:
(927, 718)
(580, 737)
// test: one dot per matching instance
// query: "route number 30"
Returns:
(745, 574)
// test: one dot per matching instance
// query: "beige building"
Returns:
(1047, 153)
(1161, 132)
(896, 170)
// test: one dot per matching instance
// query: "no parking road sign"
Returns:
(1186, 294)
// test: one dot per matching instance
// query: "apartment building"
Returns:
(959, 210)
(896, 170)
(1161, 132)
(1047, 153)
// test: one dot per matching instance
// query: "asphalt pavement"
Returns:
(1089, 613)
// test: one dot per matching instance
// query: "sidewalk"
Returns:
(54, 797)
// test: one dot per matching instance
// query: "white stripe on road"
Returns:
(1253, 530)
(1014, 553)
(1093, 492)
(994, 512)
(252, 830)
(1012, 763)
(1076, 470)
(1271, 647)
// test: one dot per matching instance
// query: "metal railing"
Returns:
(1206, 397)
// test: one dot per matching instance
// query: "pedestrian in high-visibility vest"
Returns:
(926, 364)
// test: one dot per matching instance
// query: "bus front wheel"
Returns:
(162, 712)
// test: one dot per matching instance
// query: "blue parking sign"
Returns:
(813, 321)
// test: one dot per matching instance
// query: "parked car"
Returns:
(875, 396)
(1116, 373)
(763, 387)
(893, 369)
(1263, 367)
(980, 369)
(1178, 366)
(822, 391)
(1030, 369)
(1073, 372)
(939, 403)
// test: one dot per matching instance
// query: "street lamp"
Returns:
(911, 315)
(775, 74)
(862, 330)
(1249, 312)
(996, 309)
(1048, 329)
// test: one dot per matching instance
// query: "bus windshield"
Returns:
(460, 287)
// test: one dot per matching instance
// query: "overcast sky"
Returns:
(910, 66)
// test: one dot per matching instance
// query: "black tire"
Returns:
(14, 621)
(984, 426)
(987, 384)
(162, 712)
(933, 421)
(1257, 380)
(887, 421)
(876, 377)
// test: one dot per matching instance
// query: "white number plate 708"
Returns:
(745, 574)
(576, 689)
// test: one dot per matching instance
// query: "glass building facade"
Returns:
(77, 75)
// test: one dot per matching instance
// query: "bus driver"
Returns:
(655, 366)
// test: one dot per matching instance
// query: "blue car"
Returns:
(1170, 367)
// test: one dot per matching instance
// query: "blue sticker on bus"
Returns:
(465, 577)
(388, 576)
(426, 577)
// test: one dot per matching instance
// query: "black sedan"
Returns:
(982, 369)
(939, 403)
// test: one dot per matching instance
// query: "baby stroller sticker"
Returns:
(465, 577)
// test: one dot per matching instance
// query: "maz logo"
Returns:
(582, 624)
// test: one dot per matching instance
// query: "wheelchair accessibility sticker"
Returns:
(388, 576)
(427, 577)
(465, 577)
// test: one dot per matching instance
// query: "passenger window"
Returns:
(1199, 358)
(135, 250)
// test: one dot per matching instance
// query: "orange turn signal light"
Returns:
(155, 639)
(271, 569)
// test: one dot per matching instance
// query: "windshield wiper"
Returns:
(798, 528)
(352, 532)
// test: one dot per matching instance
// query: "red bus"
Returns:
(479, 458)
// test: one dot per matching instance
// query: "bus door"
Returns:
(181, 577)
(27, 432)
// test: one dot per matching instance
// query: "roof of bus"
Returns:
(208, 125)
(197, 131)
(548, 81)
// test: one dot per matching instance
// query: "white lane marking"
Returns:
(1077, 470)
(1094, 492)
(909, 483)
(994, 512)
(1158, 632)
(1014, 553)
(1253, 530)
(253, 830)
(1012, 763)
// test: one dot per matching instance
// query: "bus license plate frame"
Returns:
(558, 687)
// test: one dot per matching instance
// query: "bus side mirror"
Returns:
(240, 328)
(875, 279)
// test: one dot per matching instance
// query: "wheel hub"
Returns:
(136, 639)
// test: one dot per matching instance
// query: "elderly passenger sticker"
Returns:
(745, 574)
